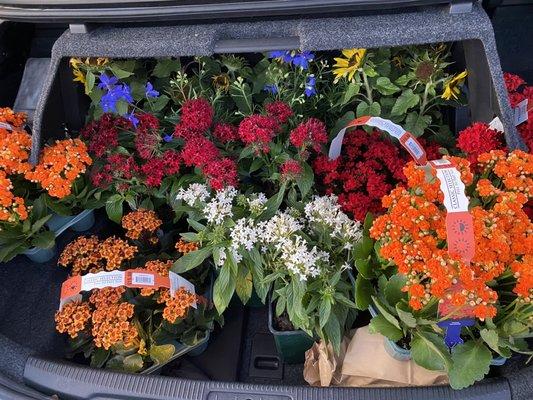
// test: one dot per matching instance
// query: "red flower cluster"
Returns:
(290, 170)
(221, 173)
(196, 117)
(518, 92)
(102, 135)
(148, 137)
(225, 133)
(258, 131)
(477, 139)
(309, 134)
(279, 110)
(368, 168)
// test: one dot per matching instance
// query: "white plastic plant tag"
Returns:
(336, 145)
(103, 279)
(496, 124)
(177, 282)
(520, 112)
(5, 125)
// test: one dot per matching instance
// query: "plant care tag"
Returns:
(453, 330)
(177, 282)
(520, 112)
(5, 125)
(407, 140)
(133, 278)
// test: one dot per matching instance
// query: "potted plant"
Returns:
(451, 315)
(307, 256)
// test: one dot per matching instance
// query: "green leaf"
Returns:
(429, 351)
(363, 248)
(159, 103)
(37, 225)
(120, 73)
(324, 311)
(332, 329)
(364, 268)
(407, 100)
(99, 357)
(272, 205)
(133, 363)
(364, 108)
(363, 293)
(491, 338)
(342, 122)
(161, 354)
(406, 317)
(224, 287)
(417, 124)
(191, 260)
(243, 284)
(471, 362)
(241, 93)
(393, 289)
(402, 80)
(44, 240)
(388, 316)
(113, 208)
(367, 224)
(306, 179)
(56, 206)
(122, 107)
(165, 67)
(385, 86)
(89, 82)
(351, 91)
(379, 324)
(195, 225)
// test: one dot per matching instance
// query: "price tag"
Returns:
(407, 140)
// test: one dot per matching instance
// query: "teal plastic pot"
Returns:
(401, 354)
(291, 345)
(39, 255)
(79, 222)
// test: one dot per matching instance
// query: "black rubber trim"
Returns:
(69, 381)
(87, 12)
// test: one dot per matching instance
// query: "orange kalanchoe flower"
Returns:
(412, 234)
(176, 307)
(141, 223)
(114, 251)
(112, 325)
(83, 254)
(59, 166)
(14, 151)
(186, 247)
(8, 116)
(12, 208)
(73, 318)
(160, 267)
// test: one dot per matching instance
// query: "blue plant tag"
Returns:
(452, 327)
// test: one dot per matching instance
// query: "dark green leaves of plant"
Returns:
(379, 324)
(191, 260)
(363, 293)
(429, 351)
(471, 362)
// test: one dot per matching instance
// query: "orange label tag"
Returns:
(142, 278)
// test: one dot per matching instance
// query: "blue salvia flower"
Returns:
(302, 59)
(277, 54)
(150, 91)
(271, 88)
(107, 82)
(310, 83)
(167, 138)
(125, 93)
(133, 119)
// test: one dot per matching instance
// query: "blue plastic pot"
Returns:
(401, 354)
(40, 255)
(79, 222)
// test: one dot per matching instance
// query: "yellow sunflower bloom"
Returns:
(451, 88)
(78, 76)
(75, 62)
(348, 65)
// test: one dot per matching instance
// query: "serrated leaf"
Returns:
(417, 124)
(407, 100)
(364, 108)
(393, 289)
(406, 317)
(165, 67)
(191, 260)
(161, 354)
(383, 310)
(379, 324)
(429, 351)
(44, 240)
(470, 363)
(113, 208)
(159, 103)
(133, 363)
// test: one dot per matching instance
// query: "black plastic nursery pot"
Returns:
(31, 366)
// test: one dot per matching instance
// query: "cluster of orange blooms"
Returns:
(412, 234)
(186, 247)
(73, 318)
(159, 267)
(89, 254)
(15, 146)
(176, 306)
(59, 166)
(141, 223)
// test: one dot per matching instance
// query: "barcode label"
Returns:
(142, 279)
(414, 148)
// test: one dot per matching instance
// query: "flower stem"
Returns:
(367, 87)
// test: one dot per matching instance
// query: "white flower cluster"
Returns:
(220, 207)
(257, 203)
(325, 210)
(244, 234)
(300, 260)
(279, 228)
(196, 192)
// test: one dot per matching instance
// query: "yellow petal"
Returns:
(341, 62)
(348, 53)
(352, 73)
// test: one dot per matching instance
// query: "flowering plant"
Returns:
(518, 91)
(306, 259)
(125, 328)
(417, 275)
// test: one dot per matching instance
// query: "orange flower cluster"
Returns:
(92, 255)
(141, 223)
(413, 234)
(112, 325)
(8, 116)
(73, 318)
(14, 151)
(523, 272)
(176, 307)
(159, 267)
(60, 165)
(12, 208)
(186, 247)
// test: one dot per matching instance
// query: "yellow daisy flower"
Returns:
(348, 65)
(451, 88)
(78, 76)
(75, 62)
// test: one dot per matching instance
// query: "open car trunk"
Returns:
(241, 361)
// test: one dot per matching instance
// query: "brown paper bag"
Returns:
(364, 362)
